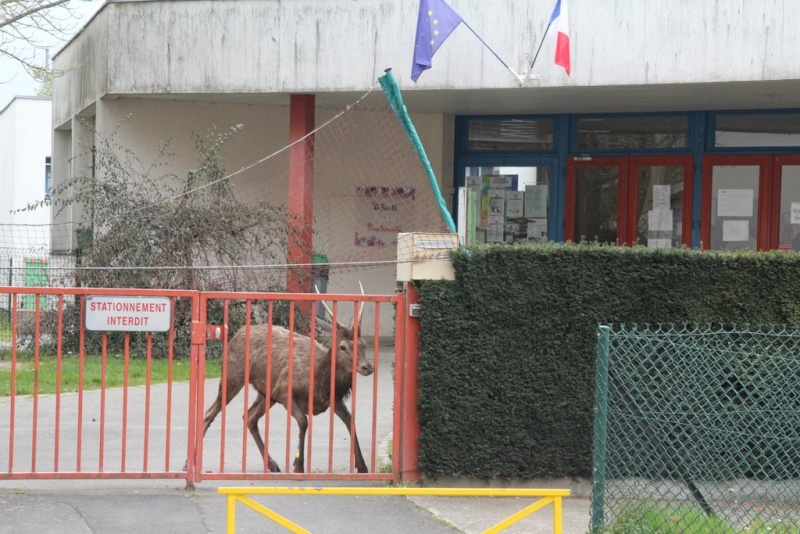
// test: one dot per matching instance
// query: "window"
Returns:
(757, 130)
(625, 133)
(511, 134)
(48, 176)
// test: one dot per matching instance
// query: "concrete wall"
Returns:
(345, 156)
(294, 46)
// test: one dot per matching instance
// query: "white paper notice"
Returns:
(501, 181)
(514, 204)
(659, 243)
(661, 196)
(735, 203)
(494, 233)
(536, 201)
(735, 230)
(795, 219)
(497, 203)
(537, 229)
(659, 220)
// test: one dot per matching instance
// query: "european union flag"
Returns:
(436, 21)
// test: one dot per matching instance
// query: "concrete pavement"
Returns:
(106, 507)
(154, 506)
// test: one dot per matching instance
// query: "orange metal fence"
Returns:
(225, 454)
(93, 421)
(102, 426)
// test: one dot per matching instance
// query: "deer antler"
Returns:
(330, 313)
(324, 304)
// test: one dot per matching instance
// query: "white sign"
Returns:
(735, 203)
(795, 217)
(659, 243)
(661, 197)
(659, 220)
(536, 201)
(108, 313)
(735, 230)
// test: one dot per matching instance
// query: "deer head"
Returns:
(348, 337)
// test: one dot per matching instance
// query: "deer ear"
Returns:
(325, 326)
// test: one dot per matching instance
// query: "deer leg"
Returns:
(256, 411)
(214, 409)
(341, 410)
(302, 425)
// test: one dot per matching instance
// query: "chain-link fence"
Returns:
(697, 429)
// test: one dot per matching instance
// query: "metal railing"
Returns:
(117, 429)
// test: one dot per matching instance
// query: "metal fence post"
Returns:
(196, 382)
(600, 427)
(410, 431)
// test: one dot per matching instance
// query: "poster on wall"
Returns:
(515, 204)
(536, 201)
(384, 212)
(537, 230)
(499, 183)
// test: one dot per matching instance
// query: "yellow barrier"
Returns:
(546, 496)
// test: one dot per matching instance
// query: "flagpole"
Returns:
(541, 43)
(517, 76)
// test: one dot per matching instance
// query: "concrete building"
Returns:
(679, 123)
(25, 164)
(25, 174)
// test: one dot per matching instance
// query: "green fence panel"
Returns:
(35, 276)
(697, 429)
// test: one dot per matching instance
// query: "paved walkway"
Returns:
(112, 507)
(156, 506)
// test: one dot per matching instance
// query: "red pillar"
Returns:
(409, 466)
(301, 191)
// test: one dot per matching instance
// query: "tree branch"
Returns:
(28, 12)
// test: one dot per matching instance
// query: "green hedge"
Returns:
(507, 350)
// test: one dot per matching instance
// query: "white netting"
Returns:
(369, 185)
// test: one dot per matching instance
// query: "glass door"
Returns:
(630, 201)
(735, 203)
(660, 200)
(596, 200)
(508, 204)
(786, 202)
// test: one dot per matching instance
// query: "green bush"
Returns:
(507, 350)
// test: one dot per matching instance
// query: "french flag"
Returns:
(561, 17)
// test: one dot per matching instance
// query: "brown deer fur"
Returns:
(279, 383)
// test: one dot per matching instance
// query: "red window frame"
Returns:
(766, 195)
(627, 193)
(775, 196)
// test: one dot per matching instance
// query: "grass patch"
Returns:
(92, 372)
(385, 465)
(652, 519)
(5, 328)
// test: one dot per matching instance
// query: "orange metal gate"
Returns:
(129, 426)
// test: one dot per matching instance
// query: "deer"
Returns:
(337, 359)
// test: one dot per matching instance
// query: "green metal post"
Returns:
(600, 428)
